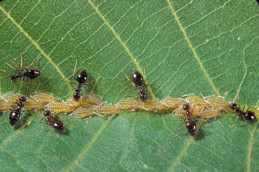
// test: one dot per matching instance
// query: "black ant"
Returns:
(139, 83)
(53, 122)
(81, 79)
(190, 124)
(15, 114)
(30, 74)
(248, 115)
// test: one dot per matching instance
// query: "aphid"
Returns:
(1, 99)
(4, 105)
(197, 101)
(153, 106)
(33, 104)
(173, 103)
(138, 82)
(44, 98)
(30, 74)
(93, 99)
(80, 103)
(15, 114)
(107, 110)
(11, 98)
(190, 124)
(53, 121)
(219, 103)
(210, 113)
(84, 112)
(248, 115)
(129, 104)
(60, 107)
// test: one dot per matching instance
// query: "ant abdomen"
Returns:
(191, 128)
(14, 117)
(58, 125)
(137, 78)
(32, 74)
(250, 116)
(82, 76)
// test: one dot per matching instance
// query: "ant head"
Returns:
(82, 76)
(137, 78)
(250, 116)
(186, 107)
(13, 77)
(76, 96)
(142, 95)
(33, 74)
(22, 99)
(233, 106)
(20, 104)
(47, 113)
(191, 128)
(58, 125)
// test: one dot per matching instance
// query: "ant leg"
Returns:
(75, 70)
(127, 95)
(129, 80)
(152, 84)
(41, 119)
(4, 118)
(244, 105)
(55, 132)
(234, 122)
(12, 67)
(21, 62)
(178, 130)
(42, 126)
(33, 62)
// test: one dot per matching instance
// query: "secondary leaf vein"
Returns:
(192, 48)
(37, 47)
(124, 45)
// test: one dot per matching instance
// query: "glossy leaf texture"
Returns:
(187, 46)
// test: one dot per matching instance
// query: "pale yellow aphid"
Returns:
(84, 112)
(129, 104)
(82, 102)
(93, 99)
(33, 104)
(153, 106)
(210, 113)
(197, 101)
(2, 99)
(60, 107)
(195, 111)
(4, 105)
(219, 103)
(11, 98)
(107, 110)
(173, 103)
(45, 98)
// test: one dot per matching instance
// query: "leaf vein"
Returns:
(37, 47)
(192, 48)
(124, 46)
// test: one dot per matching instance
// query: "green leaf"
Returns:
(200, 47)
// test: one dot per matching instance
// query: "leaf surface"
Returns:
(199, 47)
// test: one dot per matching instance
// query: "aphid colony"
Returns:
(190, 108)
